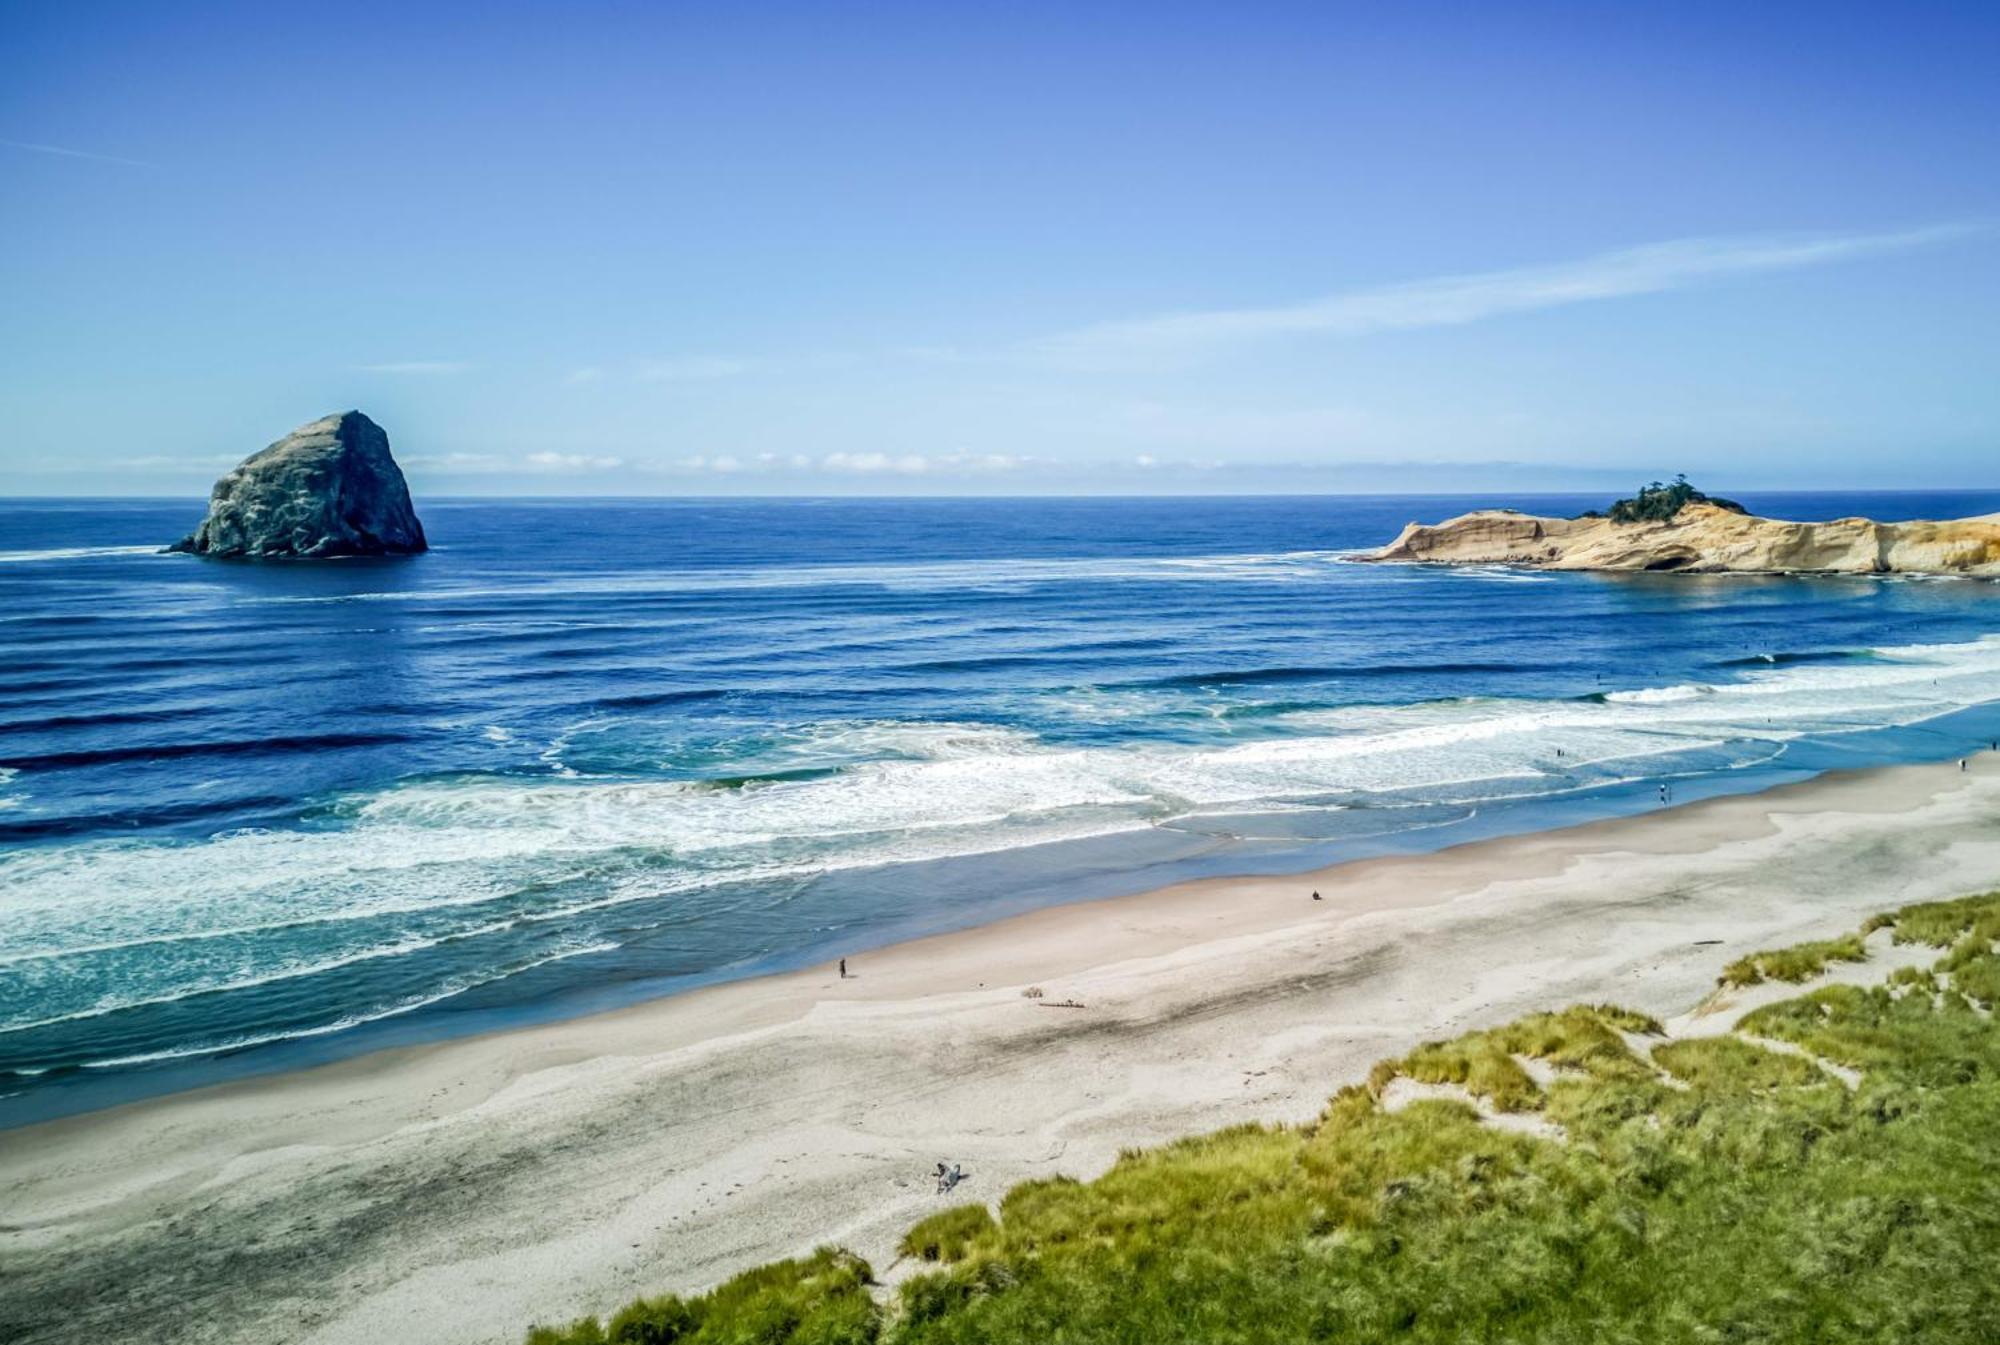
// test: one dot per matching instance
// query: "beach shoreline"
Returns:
(458, 1190)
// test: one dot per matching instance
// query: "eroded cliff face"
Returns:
(1703, 539)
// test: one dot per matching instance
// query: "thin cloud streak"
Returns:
(62, 152)
(417, 367)
(572, 462)
(1454, 300)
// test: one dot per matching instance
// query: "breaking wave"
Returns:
(102, 927)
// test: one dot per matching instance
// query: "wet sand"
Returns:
(456, 1192)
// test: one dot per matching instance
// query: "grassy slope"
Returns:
(1706, 1190)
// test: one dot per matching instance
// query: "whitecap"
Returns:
(472, 852)
(1661, 695)
(76, 553)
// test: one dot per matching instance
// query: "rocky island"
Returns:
(327, 489)
(1674, 527)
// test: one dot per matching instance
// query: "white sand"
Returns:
(457, 1192)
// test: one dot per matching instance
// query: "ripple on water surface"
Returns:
(244, 805)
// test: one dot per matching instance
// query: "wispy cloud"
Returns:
(571, 462)
(488, 464)
(903, 464)
(689, 369)
(62, 151)
(455, 462)
(842, 463)
(162, 462)
(417, 367)
(576, 378)
(1453, 300)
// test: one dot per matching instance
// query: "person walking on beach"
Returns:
(843, 968)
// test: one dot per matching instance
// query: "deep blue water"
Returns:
(256, 815)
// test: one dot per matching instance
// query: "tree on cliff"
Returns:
(1661, 501)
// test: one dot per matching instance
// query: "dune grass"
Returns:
(1487, 1064)
(946, 1235)
(1732, 1065)
(1943, 923)
(1703, 1190)
(818, 1300)
(1801, 962)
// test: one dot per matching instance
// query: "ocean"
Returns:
(589, 751)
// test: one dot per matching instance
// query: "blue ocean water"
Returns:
(586, 751)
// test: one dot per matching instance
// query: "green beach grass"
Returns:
(1698, 1190)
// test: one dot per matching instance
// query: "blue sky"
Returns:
(645, 249)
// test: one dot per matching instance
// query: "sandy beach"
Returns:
(457, 1192)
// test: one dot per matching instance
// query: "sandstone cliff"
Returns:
(326, 489)
(1704, 539)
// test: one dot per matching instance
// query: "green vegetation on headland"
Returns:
(1660, 501)
(1700, 1189)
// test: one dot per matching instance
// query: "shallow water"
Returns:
(585, 751)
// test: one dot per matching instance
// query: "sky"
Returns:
(626, 249)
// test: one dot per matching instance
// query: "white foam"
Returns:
(1661, 695)
(291, 968)
(450, 990)
(1275, 567)
(76, 553)
(436, 859)
(1500, 574)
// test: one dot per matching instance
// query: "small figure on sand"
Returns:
(1961, 765)
(843, 968)
(1315, 896)
(947, 1178)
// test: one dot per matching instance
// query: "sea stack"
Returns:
(327, 489)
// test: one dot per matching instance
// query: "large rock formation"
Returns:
(1704, 538)
(326, 489)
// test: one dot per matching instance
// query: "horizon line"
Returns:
(453, 496)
